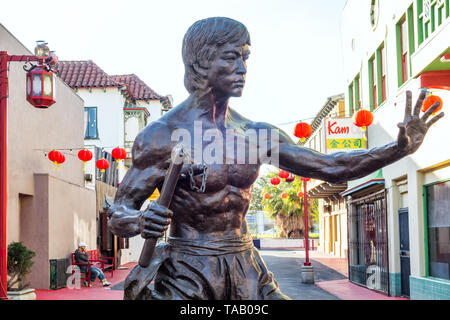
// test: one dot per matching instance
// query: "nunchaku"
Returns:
(170, 182)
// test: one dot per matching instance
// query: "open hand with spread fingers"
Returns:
(413, 128)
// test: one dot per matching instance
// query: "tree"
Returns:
(288, 212)
(19, 264)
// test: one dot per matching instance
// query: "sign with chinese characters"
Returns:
(342, 135)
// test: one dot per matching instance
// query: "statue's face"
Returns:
(226, 73)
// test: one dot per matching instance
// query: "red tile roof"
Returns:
(84, 74)
(136, 87)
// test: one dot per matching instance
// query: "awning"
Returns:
(359, 184)
(327, 190)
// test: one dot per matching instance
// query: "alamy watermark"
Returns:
(234, 146)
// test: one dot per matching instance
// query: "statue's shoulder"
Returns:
(152, 143)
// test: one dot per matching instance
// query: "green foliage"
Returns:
(256, 204)
(19, 264)
(292, 205)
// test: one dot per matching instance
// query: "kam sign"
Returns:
(342, 135)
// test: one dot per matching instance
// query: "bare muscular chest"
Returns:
(231, 158)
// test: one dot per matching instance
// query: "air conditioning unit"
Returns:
(88, 177)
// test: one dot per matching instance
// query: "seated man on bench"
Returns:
(82, 256)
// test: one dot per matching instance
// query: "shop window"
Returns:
(437, 204)
(381, 73)
(405, 46)
(402, 52)
(351, 109)
(90, 123)
(354, 95)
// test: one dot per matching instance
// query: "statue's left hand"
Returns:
(413, 128)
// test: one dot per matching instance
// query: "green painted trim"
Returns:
(419, 22)
(379, 86)
(447, 8)
(437, 64)
(436, 182)
(398, 32)
(410, 14)
(433, 18)
(372, 106)
(425, 228)
(350, 99)
(356, 84)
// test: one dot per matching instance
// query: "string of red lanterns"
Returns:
(85, 155)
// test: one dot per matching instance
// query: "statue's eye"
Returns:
(229, 58)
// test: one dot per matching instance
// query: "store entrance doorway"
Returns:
(405, 268)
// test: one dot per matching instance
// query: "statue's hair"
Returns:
(200, 44)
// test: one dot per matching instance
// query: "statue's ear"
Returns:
(199, 69)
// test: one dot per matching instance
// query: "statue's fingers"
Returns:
(434, 119)
(430, 110)
(151, 234)
(419, 102)
(408, 104)
(402, 128)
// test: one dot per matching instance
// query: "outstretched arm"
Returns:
(344, 166)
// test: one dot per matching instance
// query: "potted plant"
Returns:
(19, 266)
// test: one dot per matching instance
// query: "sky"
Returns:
(295, 63)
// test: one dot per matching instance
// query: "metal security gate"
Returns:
(368, 251)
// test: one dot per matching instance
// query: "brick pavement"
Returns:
(331, 281)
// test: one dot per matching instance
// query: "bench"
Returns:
(103, 263)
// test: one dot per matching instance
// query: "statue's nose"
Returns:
(241, 68)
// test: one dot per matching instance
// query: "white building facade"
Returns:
(116, 109)
(390, 47)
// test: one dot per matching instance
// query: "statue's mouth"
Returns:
(239, 84)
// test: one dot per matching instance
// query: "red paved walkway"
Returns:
(96, 292)
(345, 290)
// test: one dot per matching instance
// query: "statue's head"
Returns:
(208, 46)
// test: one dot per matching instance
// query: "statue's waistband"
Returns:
(214, 247)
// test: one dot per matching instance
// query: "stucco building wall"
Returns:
(32, 202)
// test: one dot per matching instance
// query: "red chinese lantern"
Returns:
(306, 179)
(284, 195)
(119, 154)
(54, 156)
(267, 196)
(299, 194)
(290, 178)
(283, 174)
(363, 118)
(40, 87)
(102, 164)
(275, 181)
(302, 130)
(61, 159)
(432, 99)
(85, 155)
